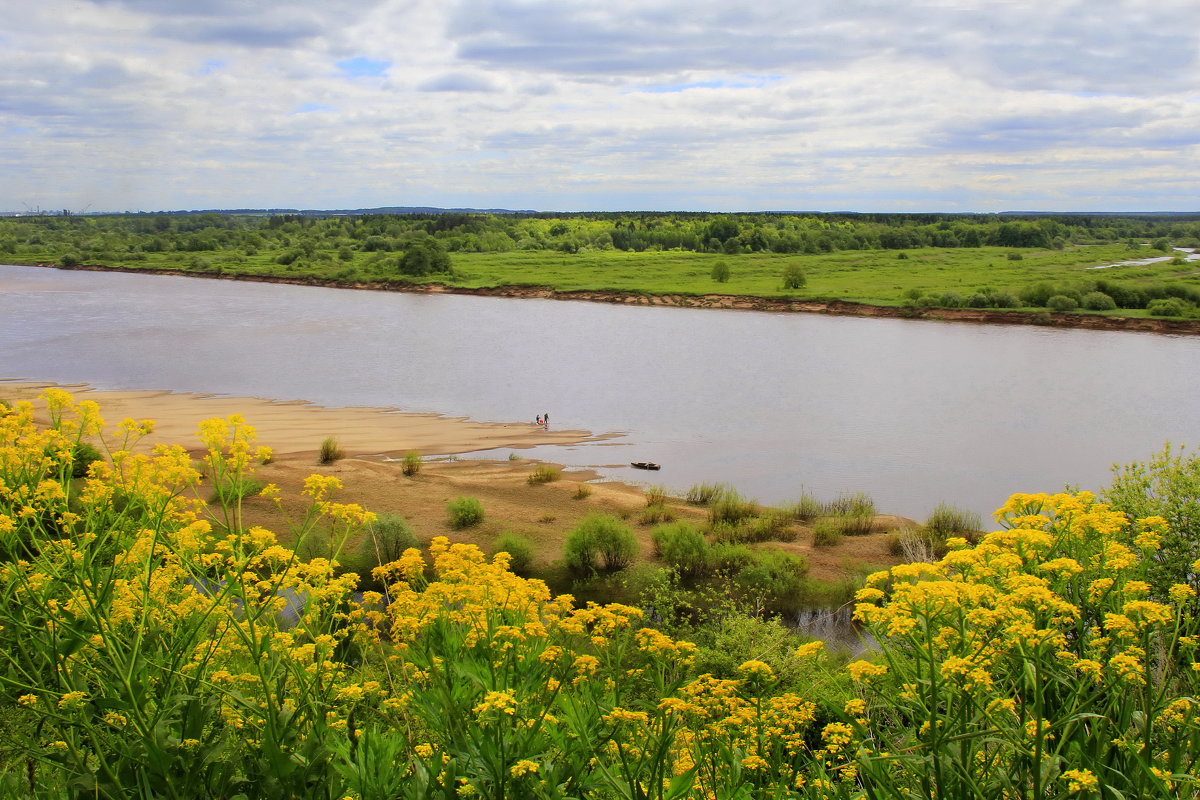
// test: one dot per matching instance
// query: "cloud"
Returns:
(458, 82)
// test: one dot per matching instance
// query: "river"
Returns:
(912, 412)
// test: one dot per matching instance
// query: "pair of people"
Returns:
(543, 419)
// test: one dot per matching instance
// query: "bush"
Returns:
(411, 464)
(1099, 301)
(728, 557)
(1061, 303)
(386, 539)
(544, 473)
(582, 492)
(774, 525)
(83, 455)
(774, 574)
(946, 520)
(1013, 255)
(855, 524)
(720, 271)
(520, 552)
(682, 547)
(826, 533)
(701, 494)
(600, 541)
(656, 495)
(730, 507)
(794, 277)
(1167, 307)
(465, 512)
(330, 452)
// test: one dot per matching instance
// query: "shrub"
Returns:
(720, 271)
(1013, 255)
(544, 473)
(682, 547)
(330, 452)
(794, 277)
(83, 455)
(1099, 301)
(730, 507)
(582, 492)
(916, 545)
(600, 541)
(520, 552)
(701, 494)
(947, 520)
(826, 533)
(774, 574)
(1167, 307)
(411, 464)
(465, 512)
(386, 539)
(1061, 303)
(854, 524)
(774, 525)
(729, 557)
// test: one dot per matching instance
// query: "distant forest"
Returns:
(301, 238)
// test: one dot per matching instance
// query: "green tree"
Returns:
(720, 271)
(794, 277)
(426, 256)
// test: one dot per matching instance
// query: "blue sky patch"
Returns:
(363, 67)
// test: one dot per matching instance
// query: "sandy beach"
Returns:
(543, 513)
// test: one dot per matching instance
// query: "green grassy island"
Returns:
(1051, 269)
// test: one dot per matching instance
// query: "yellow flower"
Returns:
(523, 767)
(1080, 780)
(861, 671)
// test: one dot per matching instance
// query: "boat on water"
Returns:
(644, 465)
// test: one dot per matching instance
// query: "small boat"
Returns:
(644, 465)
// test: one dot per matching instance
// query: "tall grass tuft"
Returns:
(946, 520)
(731, 507)
(656, 495)
(330, 451)
(599, 541)
(853, 503)
(807, 508)
(544, 473)
(411, 464)
(826, 533)
(701, 494)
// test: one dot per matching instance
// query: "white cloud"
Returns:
(565, 104)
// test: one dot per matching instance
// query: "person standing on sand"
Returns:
(539, 419)
(546, 418)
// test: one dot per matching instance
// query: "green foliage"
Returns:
(544, 473)
(330, 451)
(1168, 307)
(658, 512)
(946, 520)
(411, 464)
(731, 507)
(794, 277)
(582, 492)
(656, 495)
(852, 503)
(682, 547)
(1166, 485)
(807, 508)
(519, 549)
(1098, 301)
(83, 455)
(426, 256)
(701, 494)
(773, 575)
(826, 533)
(385, 540)
(600, 541)
(720, 271)
(465, 512)
(1061, 303)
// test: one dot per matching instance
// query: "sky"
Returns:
(564, 105)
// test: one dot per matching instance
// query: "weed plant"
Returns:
(730, 507)
(582, 492)
(544, 473)
(330, 451)
(827, 533)
(946, 520)
(807, 508)
(599, 542)
(701, 494)
(411, 464)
